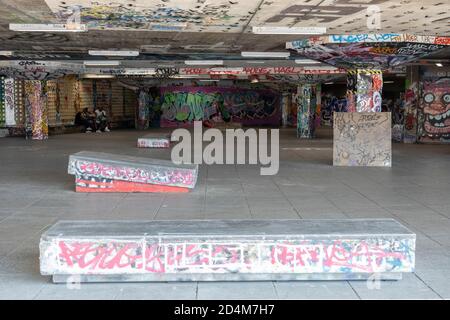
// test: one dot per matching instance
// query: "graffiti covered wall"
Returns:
(329, 105)
(353, 139)
(180, 106)
(434, 106)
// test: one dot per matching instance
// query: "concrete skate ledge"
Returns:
(221, 250)
(108, 166)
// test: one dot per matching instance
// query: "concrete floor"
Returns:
(35, 191)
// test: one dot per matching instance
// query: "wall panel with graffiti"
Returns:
(180, 106)
(434, 107)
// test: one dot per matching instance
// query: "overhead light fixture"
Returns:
(95, 63)
(6, 53)
(255, 62)
(388, 81)
(329, 83)
(288, 30)
(42, 27)
(439, 64)
(203, 62)
(306, 61)
(97, 76)
(114, 53)
(250, 54)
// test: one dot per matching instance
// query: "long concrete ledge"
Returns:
(100, 169)
(150, 141)
(221, 250)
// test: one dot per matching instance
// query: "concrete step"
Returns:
(105, 172)
(220, 250)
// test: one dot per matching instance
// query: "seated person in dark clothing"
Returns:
(86, 119)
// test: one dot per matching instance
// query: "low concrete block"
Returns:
(362, 139)
(102, 171)
(153, 142)
(220, 250)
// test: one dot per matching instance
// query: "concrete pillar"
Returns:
(285, 109)
(36, 110)
(305, 111)
(318, 96)
(142, 114)
(362, 136)
(364, 88)
(411, 104)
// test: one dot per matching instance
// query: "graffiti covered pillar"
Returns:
(142, 113)
(285, 106)
(318, 105)
(305, 111)
(411, 104)
(37, 119)
(364, 88)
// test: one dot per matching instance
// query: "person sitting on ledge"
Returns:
(86, 119)
(102, 120)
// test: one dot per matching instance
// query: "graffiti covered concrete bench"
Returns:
(222, 250)
(150, 141)
(105, 172)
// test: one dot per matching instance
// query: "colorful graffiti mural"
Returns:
(181, 106)
(434, 110)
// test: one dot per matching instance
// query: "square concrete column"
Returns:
(411, 104)
(362, 136)
(305, 111)
(36, 110)
(364, 88)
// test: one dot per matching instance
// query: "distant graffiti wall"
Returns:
(329, 105)
(180, 106)
(434, 107)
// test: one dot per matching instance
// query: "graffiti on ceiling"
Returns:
(381, 51)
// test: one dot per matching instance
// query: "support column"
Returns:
(362, 136)
(318, 95)
(305, 112)
(37, 118)
(411, 104)
(285, 109)
(142, 119)
(364, 88)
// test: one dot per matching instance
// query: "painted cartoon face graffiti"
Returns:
(435, 106)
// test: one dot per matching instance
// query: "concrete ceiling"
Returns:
(210, 27)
